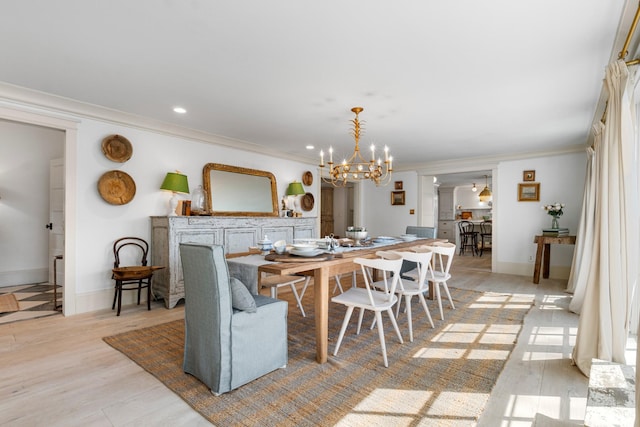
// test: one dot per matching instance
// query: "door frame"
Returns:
(70, 128)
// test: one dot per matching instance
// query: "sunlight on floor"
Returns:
(521, 409)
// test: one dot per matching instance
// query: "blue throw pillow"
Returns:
(241, 298)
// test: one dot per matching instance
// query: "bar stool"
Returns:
(485, 235)
(468, 237)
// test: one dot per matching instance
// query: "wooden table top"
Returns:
(343, 257)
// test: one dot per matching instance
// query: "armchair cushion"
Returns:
(241, 298)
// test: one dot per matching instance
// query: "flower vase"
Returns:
(554, 223)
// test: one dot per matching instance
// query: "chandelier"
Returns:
(356, 168)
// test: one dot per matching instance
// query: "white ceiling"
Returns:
(437, 79)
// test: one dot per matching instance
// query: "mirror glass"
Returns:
(235, 191)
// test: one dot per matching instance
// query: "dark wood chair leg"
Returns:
(119, 286)
(149, 294)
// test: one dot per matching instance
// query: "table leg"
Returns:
(321, 298)
(547, 258)
(538, 264)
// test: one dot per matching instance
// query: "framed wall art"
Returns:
(397, 197)
(529, 192)
(398, 185)
(529, 175)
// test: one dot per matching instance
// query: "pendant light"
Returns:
(485, 195)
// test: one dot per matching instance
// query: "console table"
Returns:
(544, 250)
(236, 234)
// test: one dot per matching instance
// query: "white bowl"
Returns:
(409, 237)
(357, 235)
(305, 247)
(280, 247)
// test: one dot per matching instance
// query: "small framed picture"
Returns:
(529, 175)
(397, 197)
(529, 192)
(398, 185)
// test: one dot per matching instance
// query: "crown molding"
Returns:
(29, 100)
(485, 163)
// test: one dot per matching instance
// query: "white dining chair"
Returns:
(443, 254)
(275, 281)
(370, 298)
(411, 288)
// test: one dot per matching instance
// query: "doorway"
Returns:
(26, 152)
(336, 209)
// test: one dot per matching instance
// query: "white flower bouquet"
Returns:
(555, 209)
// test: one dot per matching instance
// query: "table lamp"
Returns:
(295, 189)
(176, 183)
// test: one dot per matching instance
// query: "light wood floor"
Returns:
(57, 371)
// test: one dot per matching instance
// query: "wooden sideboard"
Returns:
(236, 234)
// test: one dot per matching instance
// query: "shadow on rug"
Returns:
(444, 377)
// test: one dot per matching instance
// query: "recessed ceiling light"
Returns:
(179, 110)
(310, 147)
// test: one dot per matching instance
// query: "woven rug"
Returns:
(8, 303)
(443, 378)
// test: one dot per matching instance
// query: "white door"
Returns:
(56, 218)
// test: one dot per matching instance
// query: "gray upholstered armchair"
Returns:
(231, 336)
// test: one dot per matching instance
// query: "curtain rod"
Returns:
(624, 52)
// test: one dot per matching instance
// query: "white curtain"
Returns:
(585, 235)
(604, 320)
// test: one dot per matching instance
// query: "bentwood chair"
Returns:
(369, 298)
(443, 257)
(130, 270)
(418, 287)
(232, 337)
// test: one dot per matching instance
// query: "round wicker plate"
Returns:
(307, 178)
(116, 187)
(117, 148)
(307, 202)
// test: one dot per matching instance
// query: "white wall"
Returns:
(25, 152)
(97, 224)
(383, 219)
(100, 223)
(561, 179)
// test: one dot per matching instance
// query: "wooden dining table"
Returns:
(322, 271)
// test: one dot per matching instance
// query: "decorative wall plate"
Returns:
(307, 178)
(116, 187)
(117, 148)
(307, 202)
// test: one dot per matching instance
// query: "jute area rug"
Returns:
(8, 303)
(444, 377)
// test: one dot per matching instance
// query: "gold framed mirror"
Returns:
(236, 191)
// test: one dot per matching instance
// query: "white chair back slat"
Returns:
(391, 266)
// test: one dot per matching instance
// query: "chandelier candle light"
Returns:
(555, 210)
(356, 168)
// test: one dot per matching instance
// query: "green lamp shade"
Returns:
(175, 182)
(295, 188)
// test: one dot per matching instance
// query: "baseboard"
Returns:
(559, 272)
(103, 299)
